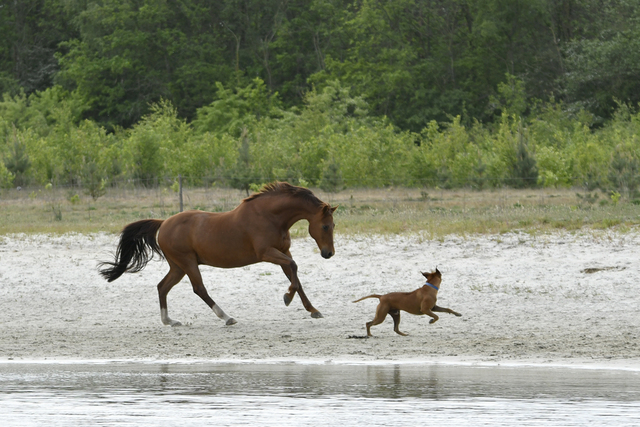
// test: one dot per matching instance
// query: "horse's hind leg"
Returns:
(198, 287)
(174, 276)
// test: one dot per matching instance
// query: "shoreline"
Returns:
(630, 365)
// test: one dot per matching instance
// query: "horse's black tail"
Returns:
(136, 248)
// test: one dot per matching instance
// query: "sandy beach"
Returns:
(555, 299)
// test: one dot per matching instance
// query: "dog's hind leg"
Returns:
(395, 315)
(381, 314)
(445, 310)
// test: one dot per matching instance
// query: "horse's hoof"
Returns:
(176, 323)
(231, 321)
(287, 300)
(317, 315)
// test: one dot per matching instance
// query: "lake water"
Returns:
(299, 394)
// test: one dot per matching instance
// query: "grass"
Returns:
(433, 213)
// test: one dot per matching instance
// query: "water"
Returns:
(295, 394)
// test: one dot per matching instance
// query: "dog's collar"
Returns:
(433, 286)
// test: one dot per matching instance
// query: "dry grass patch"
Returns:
(433, 213)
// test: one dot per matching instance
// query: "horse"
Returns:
(257, 230)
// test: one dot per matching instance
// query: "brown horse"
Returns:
(257, 230)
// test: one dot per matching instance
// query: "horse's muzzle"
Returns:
(326, 254)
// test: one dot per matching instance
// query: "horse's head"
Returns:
(321, 229)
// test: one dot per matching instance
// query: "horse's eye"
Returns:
(325, 227)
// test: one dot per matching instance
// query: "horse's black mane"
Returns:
(275, 188)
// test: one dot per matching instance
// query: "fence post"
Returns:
(180, 191)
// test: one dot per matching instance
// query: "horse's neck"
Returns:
(291, 211)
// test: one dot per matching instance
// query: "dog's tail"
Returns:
(369, 296)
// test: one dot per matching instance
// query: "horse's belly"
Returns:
(224, 262)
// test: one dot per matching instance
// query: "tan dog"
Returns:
(421, 301)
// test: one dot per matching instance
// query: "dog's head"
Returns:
(435, 277)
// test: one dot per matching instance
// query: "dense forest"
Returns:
(333, 93)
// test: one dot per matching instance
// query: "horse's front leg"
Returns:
(290, 269)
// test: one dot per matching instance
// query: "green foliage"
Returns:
(6, 177)
(602, 70)
(154, 146)
(329, 93)
(331, 142)
(331, 179)
(412, 61)
(615, 197)
(93, 180)
(16, 160)
(243, 174)
(624, 170)
(554, 170)
(131, 54)
(512, 98)
(524, 168)
(234, 110)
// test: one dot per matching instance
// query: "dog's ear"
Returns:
(425, 274)
(438, 272)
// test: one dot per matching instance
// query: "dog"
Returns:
(419, 302)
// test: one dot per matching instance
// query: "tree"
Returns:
(602, 71)
(524, 171)
(30, 31)
(242, 175)
(17, 160)
(93, 180)
(331, 180)
(132, 54)
(235, 110)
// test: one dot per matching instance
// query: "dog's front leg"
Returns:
(445, 310)
(426, 310)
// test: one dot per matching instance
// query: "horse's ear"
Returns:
(329, 210)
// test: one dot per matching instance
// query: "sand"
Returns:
(555, 299)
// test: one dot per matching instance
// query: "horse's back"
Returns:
(213, 238)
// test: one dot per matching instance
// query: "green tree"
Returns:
(93, 179)
(242, 175)
(524, 170)
(30, 31)
(603, 70)
(132, 54)
(16, 160)
(235, 110)
(331, 179)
